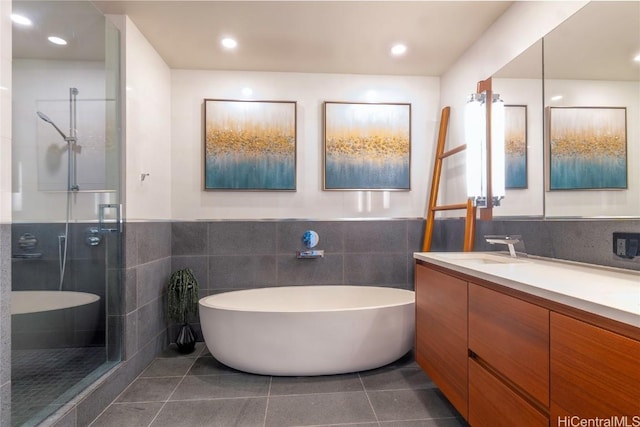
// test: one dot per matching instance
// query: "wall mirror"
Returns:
(589, 103)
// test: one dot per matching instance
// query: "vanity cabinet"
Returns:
(504, 357)
(595, 373)
(441, 332)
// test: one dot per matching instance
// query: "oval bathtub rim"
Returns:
(87, 299)
(207, 305)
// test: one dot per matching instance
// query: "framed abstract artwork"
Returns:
(367, 146)
(249, 145)
(587, 148)
(515, 145)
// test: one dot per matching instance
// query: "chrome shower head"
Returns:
(46, 118)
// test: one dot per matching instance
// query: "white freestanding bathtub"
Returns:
(308, 330)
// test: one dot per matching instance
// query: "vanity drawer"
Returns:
(512, 337)
(493, 404)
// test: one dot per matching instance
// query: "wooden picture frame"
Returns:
(249, 145)
(367, 146)
(587, 148)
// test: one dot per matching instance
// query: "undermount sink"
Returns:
(482, 258)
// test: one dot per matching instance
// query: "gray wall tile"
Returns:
(130, 245)
(375, 269)
(130, 335)
(239, 272)
(375, 236)
(415, 234)
(189, 238)
(319, 271)
(153, 241)
(130, 289)
(242, 238)
(152, 279)
(151, 321)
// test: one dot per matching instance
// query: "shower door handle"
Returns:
(107, 227)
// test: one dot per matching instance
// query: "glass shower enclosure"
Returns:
(66, 217)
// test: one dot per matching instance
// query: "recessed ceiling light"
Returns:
(21, 20)
(57, 40)
(398, 49)
(229, 43)
(247, 91)
(556, 98)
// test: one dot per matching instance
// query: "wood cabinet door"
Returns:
(595, 373)
(441, 332)
(493, 404)
(511, 336)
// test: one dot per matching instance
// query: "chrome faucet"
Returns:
(510, 241)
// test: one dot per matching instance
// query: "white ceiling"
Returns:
(295, 36)
(335, 36)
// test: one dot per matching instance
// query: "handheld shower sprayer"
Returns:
(71, 140)
(46, 118)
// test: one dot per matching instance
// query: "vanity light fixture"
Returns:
(498, 161)
(475, 123)
(21, 20)
(398, 49)
(229, 43)
(57, 40)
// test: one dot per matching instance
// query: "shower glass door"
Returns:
(66, 234)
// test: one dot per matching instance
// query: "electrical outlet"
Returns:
(626, 245)
(621, 247)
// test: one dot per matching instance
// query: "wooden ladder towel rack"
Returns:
(470, 222)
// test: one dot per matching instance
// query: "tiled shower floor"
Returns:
(196, 390)
(40, 379)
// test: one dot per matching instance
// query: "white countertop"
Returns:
(608, 292)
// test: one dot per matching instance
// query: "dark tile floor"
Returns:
(197, 390)
(43, 380)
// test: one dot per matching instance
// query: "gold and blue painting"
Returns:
(587, 148)
(515, 145)
(367, 146)
(250, 145)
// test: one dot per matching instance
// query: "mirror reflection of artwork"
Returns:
(587, 148)
(367, 146)
(250, 145)
(515, 145)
